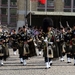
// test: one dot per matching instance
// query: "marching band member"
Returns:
(22, 46)
(25, 45)
(47, 43)
(73, 43)
(61, 45)
(4, 52)
(58, 42)
(68, 44)
(1, 49)
(39, 42)
(13, 37)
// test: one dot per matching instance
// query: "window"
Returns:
(67, 10)
(49, 7)
(50, 2)
(4, 11)
(67, 3)
(4, 19)
(4, 1)
(39, 4)
(13, 19)
(74, 3)
(13, 2)
(13, 11)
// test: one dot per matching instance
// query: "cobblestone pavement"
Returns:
(35, 66)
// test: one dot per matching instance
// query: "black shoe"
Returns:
(74, 64)
(68, 62)
(47, 68)
(21, 62)
(51, 64)
(2, 64)
(39, 54)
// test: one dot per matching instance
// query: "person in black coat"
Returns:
(68, 48)
(47, 41)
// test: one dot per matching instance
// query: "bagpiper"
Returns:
(25, 45)
(47, 41)
(61, 44)
(22, 45)
(4, 51)
(13, 37)
(73, 43)
(39, 42)
(68, 47)
(1, 49)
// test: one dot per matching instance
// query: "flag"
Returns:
(42, 1)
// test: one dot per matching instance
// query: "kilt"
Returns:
(73, 49)
(32, 51)
(68, 49)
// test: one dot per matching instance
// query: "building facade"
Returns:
(14, 13)
(59, 10)
(8, 12)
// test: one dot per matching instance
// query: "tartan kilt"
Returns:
(22, 51)
(1, 51)
(47, 52)
(73, 49)
(55, 51)
(14, 45)
(5, 51)
(68, 49)
(32, 51)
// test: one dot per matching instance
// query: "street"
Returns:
(35, 66)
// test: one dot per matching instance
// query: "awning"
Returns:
(63, 17)
(52, 13)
